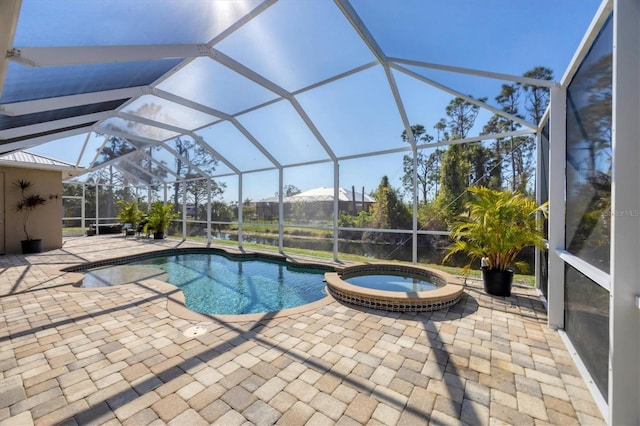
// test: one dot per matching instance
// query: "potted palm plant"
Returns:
(159, 217)
(129, 215)
(26, 205)
(496, 227)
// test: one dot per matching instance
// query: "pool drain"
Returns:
(195, 331)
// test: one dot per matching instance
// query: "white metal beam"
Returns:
(208, 212)
(441, 143)
(270, 85)
(335, 78)
(587, 41)
(129, 175)
(161, 165)
(233, 27)
(247, 72)
(200, 141)
(48, 126)
(336, 208)
(142, 170)
(255, 142)
(125, 135)
(400, 105)
(184, 159)
(98, 152)
(189, 104)
(624, 315)
(153, 123)
(9, 11)
(469, 71)
(311, 125)
(39, 140)
(354, 19)
(310, 87)
(40, 105)
(224, 116)
(165, 168)
(521, 132)
(110, 162)
(246, 18)
(538, 197)
(557, 168)
(280, 210)
(349, 12)
(78, 55)
(240, 217)
(465, 97)
(84, 147)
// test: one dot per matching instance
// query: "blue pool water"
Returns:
(213, 284)
(391, 282)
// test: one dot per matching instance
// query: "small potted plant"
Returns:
(496, 227)
(26, 205)
(159, 217)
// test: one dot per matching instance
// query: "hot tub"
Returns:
(395, 287)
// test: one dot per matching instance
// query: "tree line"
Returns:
(444, 174)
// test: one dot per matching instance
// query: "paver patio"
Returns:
(117, 356)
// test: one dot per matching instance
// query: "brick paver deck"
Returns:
(117, 356)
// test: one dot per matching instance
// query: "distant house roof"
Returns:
(322, 194)
(30, 160)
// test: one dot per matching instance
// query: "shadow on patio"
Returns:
(119, 356)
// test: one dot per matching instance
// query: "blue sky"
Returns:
(296, 43)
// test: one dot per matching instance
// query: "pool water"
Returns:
(216, 285)
(391, 282)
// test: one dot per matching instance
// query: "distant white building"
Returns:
(316, 202)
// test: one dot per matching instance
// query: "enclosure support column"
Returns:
(557, 166)
(184, 210)
(240, 219)
(414, 239)
(624, 302)
(83, 222)
(280, 209)
(208, 211)
(97, 208)
(538, 189)
(336, 209)
(164, 199)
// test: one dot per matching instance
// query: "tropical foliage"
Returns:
(496, 227)
(160, 216)
(27, 204)
(129, 212)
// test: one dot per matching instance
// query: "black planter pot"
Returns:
(158, 235)
(31, 246)
(497, 283)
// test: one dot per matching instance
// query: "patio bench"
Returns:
(105, 228)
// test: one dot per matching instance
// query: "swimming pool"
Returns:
(218, 285)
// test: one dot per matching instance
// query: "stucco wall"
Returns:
(45, 221)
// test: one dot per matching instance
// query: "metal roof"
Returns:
(323, 194)
(35, 160)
